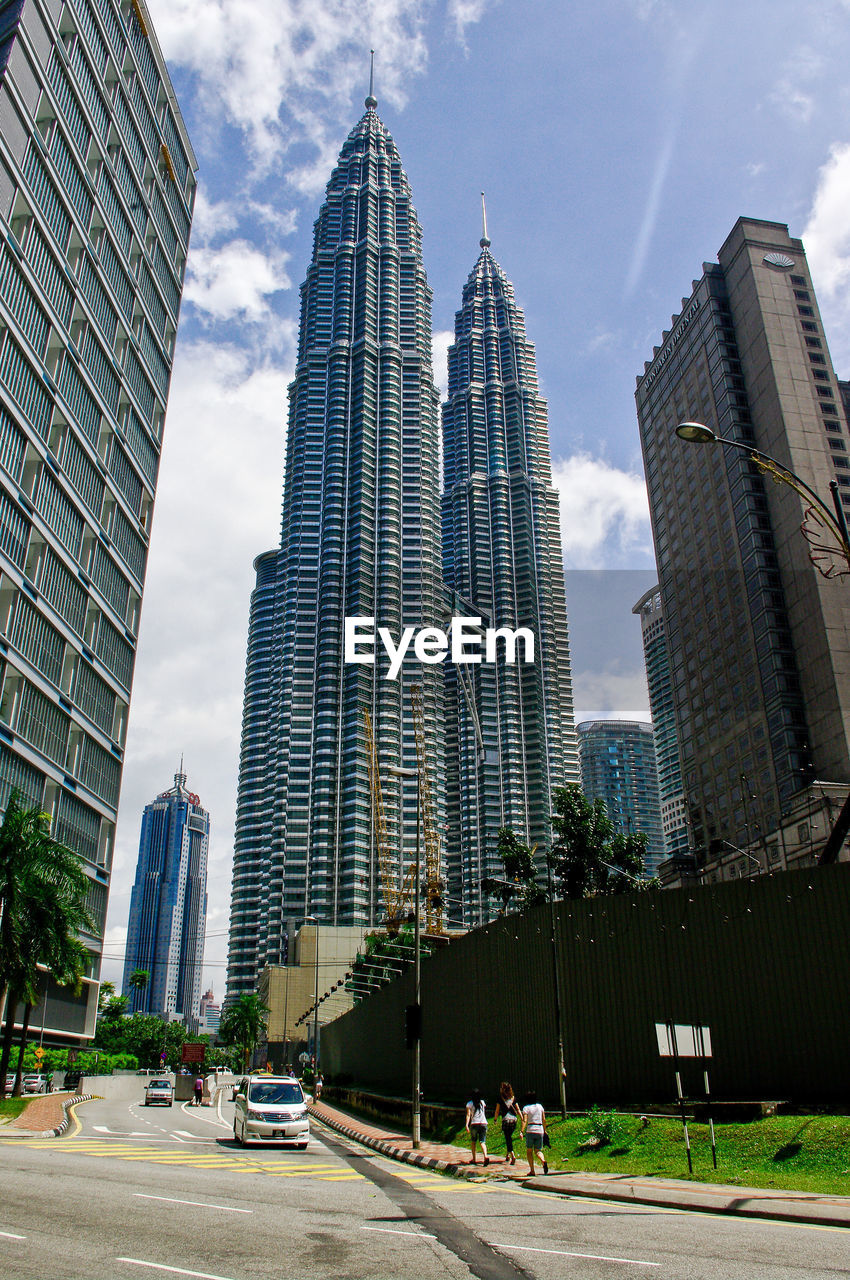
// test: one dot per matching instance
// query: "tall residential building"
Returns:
(96, 194)
(168, 906)
(617, 759)
(360, 539)
(674, 813)
(510, 732)
(758, 638)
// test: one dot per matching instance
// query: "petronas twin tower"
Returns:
(364, 538)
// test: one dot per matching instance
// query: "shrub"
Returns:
(605, 1126)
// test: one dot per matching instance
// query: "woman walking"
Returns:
(508, 1109)
(534, 1128)
(476, 1125)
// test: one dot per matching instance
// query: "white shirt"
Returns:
(534, 1114)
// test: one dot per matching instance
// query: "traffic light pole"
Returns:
(415, 1126)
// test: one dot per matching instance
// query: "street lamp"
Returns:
(398, 772)
(835, 522)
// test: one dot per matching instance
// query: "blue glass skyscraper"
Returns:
(510, 732)
(168, 905)
(360, 538)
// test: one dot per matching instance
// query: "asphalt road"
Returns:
(132, 1191)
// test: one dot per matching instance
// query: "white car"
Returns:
(271, 1109)
(34, 1084)
(159, 1092)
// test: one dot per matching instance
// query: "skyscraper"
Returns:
(674, 815)
(96, 193)
(168, 906)
(618, 766)
(758, 638)
(510, 731)
(360, 539)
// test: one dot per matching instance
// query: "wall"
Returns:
(762, 961)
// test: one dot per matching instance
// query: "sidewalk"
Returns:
(45, 1116)
(667, 1193)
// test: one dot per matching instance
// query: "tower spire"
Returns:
(372, 101)
(485, 239)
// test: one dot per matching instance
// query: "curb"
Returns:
(394, 1153)
(57, 1130)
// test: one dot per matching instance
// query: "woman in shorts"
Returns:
(476, 1125)
(534, 1128)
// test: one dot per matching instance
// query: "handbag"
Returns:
(546, 1141)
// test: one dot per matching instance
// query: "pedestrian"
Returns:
(199, 1090)
(317, 1092)
(508, 1109)
(476, 1125)
(534, 1129)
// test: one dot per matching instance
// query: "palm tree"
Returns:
(104, 995)
(43, 892)
(138, 983)
(243, 1023)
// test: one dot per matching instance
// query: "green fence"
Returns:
(764, 962)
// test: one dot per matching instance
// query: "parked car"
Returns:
(271, 1109)
(72, 1080)
(159, 1091)
(9, 1083)
(35, 1084)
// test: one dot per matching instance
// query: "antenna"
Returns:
(485, 239)
(372, 101)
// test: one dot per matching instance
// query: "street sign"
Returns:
(193, 1052)
(39, 1053)
(73, 1054)
(676, 1040)
(304, 1058)
(162, 1056)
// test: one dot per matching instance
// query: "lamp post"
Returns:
(834, 521)
(399, 772)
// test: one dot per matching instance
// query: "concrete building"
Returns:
(671, 796)
(360, 539)
(168, 906)
(209, 1015)
(758, 637)
(97, 185)
(510, 735)
(617, 759)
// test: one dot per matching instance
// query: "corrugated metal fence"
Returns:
(764, 962)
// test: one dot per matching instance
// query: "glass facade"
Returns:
(360, 538)
(509, 726)
(618, 766)
(168, 906)
(96, 194)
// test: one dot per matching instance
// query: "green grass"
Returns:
(12, 1107)
(795, 1153)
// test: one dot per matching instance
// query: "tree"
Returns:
(115, 1008)
(519, 884)
(145, 1035)
(244, 1023)
(43, 893)
(588, 856)
(105, 993)
(138, 982)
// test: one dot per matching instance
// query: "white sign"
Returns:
(682, 1041)
(430, 644)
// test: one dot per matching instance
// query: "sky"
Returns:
(617, 142)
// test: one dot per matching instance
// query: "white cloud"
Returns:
(217, 507)
(285, 71)
(441, 341)
(827, 240)
(234, 280)
(796, 92)
(210, 220)
(604, 512)
(611, 694)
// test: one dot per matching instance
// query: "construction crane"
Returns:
(430, 834)
(395, 896)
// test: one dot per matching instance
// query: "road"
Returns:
(133, 1192)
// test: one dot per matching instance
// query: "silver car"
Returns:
(271, 1109)
(161, 1091)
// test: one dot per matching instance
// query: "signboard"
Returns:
(193, 1052)
(677, 1040)
(72, 1056)
(39, 1053)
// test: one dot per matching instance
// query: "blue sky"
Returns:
(617, 143)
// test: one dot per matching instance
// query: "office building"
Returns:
(758, 637)
(209, 1016)
(168, 906)
(671, 796)
(617, 759)
(97, 186)
(360, 539)
(510, 732)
